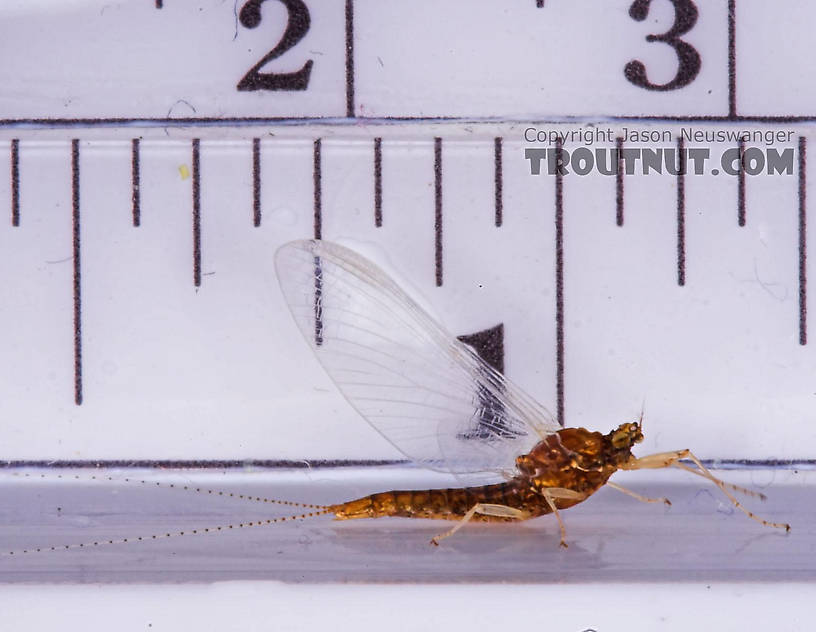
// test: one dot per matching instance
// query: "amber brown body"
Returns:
(572, 458)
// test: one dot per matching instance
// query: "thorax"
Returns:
(572, 458)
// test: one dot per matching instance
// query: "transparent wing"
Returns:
(426, 392)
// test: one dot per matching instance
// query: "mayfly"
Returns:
(441, 405)
(445, 408)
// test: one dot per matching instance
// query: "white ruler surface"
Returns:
(155, 164)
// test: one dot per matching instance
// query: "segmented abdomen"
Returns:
(446, 504)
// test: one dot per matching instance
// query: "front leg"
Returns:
(672, 459)
(669, 459)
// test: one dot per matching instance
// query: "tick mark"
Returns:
(196, 212)
(15, 182)
(802, 240)
(318, 234)
(559, 282)
(256, 182)
(498, 179)
(732, 59)
(135, 172)
(438, 209)
(77, 273)
(350, 58)
(318, 196)
(378, 182)
(619, 181)
(681, 213)
(741, 184)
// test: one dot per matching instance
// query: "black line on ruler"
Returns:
(741, 184)
(256, 182)
(318, 234)
(438, 209)
(619, 181)
(228, 121)
(559, 282)
(77, 273)
(350, 58)
(732, 59)
(196, 464)
(196, 212)
(681, 212)
(318, 301)
(135, 172)
(498, 177)
(221, 464)
(378, 182)
(15, 181)
(802, 240)
(318, 195)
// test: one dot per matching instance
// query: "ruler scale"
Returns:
(147, 142)
(639, 11)
(75, 164)
(395, 152)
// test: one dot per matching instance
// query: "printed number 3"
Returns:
(685, 17)
(296, 28)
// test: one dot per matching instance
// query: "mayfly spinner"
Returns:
(445, 408)
(442, 406)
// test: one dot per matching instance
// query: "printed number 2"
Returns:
(296, 28)
(685, 17)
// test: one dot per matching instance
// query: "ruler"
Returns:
(159, 152)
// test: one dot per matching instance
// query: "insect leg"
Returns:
(668, 459)
(637, 496)
(486, 509)
(550, 494)
(672, 459)
(705, 473)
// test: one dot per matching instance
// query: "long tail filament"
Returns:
(168, 534)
